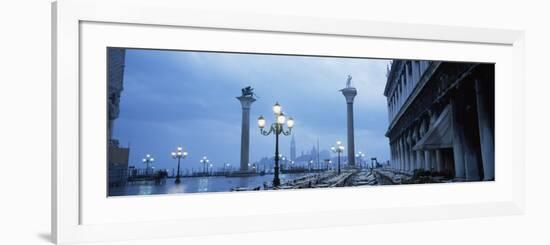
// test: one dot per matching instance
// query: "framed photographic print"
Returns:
(440, 113)
(224, 121)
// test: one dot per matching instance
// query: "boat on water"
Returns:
(246, 188)
(245, 174)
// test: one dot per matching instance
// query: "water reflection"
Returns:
(172, 189)
(203, 184)
(145, 190)
(194, 185)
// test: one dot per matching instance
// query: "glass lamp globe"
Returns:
(281, 118)
(261, 122)
(277, 108)
(290, 122)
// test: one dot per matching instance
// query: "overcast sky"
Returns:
(173, 98)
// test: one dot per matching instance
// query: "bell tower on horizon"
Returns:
(292, 149)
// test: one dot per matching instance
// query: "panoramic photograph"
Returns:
(182, 121)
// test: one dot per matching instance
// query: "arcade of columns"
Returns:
(404, 158)
(468, 155)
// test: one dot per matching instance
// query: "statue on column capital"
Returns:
(348, 81)
(247, 97)
(248, 92)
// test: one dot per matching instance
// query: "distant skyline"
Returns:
(182, 98)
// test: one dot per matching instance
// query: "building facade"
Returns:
(441, 118)
(117, 155)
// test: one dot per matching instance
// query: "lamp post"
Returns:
(179, 154)
(327, 162)
(276, 128)
(205, 161)
(338, 148)
(148, 160)
(360, 157)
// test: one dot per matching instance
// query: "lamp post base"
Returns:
(177, 180)
(276, 182)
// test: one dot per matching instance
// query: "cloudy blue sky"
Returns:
(173, 98)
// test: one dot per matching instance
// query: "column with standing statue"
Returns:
(349, 93)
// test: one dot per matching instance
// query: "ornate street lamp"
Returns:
(360, 157)
(205, 161)
(148, 160)
(179, 154)
(338, 148)
(276, 128)
(327, 162)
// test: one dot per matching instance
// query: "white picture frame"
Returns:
(72, 205)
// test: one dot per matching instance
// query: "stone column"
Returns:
(420, 159)
(403, 154)
(400, 93)
(400, 152)
(396, 157)
(413, 152)
(458, 139)
(438, 160)
(427, 159)
(419, 154)
(410, 152)
(246, 103)
(464, 122)
(485, 132)
(350, 93)
(393, 155)
(407, 156)
(397, 162)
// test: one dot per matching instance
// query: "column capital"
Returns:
(349, 93)
(246, 101)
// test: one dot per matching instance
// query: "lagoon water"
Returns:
(195, 185)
